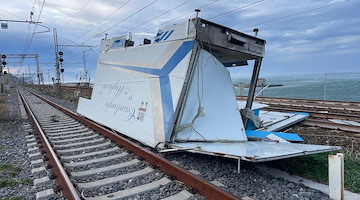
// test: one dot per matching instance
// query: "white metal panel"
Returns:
(133, 93)
(180, 31)
(211, 93)
(255, 105)
(255, 151)
(123, 102)
(275, 121)
(177, 78)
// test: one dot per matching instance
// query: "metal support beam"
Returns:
(252, 87)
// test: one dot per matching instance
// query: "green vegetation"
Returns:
(7, 183)
(11, 182)
(11, 198)
(64, 95)
(54, 118)
(10, 169)
(315, 167)
(5, 167)
(26, 181)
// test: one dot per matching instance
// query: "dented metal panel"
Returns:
(254, 151)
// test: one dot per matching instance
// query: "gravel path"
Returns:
(13, 150)
(249, 182)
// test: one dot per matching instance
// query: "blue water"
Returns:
(337, 86)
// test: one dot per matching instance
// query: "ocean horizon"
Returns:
(343, 86)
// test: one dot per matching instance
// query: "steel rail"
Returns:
(352, 106)
(204, 188)
(319, 114)
(62, 178)
(331, 125)
(329, 102)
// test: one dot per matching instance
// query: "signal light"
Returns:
(4, 63)
(61, 60)
(61, 53)
(62, 70)
(3, 56)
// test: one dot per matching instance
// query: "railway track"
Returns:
(336, 115)
(90, 162)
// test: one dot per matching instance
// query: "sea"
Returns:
(327, 86)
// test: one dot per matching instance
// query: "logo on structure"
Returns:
(162, 36)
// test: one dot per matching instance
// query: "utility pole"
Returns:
(86, 72)
(325, 82)
(38, 69)
(57, 67)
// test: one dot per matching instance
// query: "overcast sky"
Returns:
(303, 36)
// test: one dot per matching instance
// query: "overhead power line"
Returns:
(234, 10)
(32, 35)
(103, 20)
(121, 21)
(12, 14)
(157, 16)
(77, 14)
(299, 13)
(181, 16)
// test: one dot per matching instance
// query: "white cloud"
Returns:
(291, 37)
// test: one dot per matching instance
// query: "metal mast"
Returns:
(57, 64)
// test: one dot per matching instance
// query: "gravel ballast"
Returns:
(14, 152)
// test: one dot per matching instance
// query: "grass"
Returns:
(54, 118)
(5, 167)
(8, 183)
(11, 198)
(11, 182)
(315, 167)
(9, 170)
(63, 95)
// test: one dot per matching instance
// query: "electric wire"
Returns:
(234, 10)
(32, 35)
(73, 17)
(179, 17)
(104, 19)
(121, 21)
(13, 14)
(299, 13)
(157, 16)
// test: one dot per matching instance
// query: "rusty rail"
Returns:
(62, 178)
(204, 188)
(331, 125)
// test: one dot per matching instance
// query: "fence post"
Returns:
(336, 176)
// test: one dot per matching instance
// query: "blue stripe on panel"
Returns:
(165, 87)
(168, 35)
(167, 103)
(182, 51)
(163, 35)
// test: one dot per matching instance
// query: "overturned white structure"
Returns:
(177, 93)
